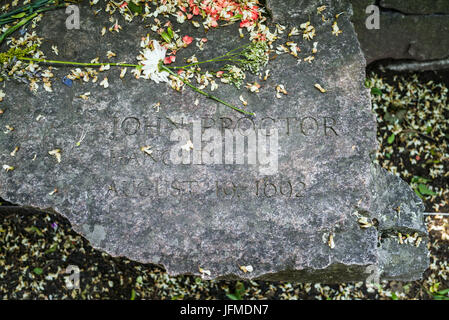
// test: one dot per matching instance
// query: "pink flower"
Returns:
(245, 23)
(187, 40)
(213, 23)
(169, 59)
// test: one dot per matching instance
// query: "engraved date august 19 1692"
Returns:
(260, 188)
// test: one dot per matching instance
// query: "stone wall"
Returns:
(409, 29)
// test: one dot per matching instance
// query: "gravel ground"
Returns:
(36, 247)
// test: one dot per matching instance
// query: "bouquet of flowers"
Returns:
(154, 62)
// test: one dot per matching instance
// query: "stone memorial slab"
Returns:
(176, 179)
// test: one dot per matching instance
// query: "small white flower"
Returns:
(150, 62)
(85, 96)
(104, 83)
(246, 269)
(188, 146)
(294, 32)
(13, 153)
(335, 29)
(123, 72)
(244, 102)
(330, 241)
(110, 54)
(56, 153)
(319, 87)
(147, 150)
(204, 271)
(7, 167)
(315, 47)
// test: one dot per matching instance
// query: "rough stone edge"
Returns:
(397, 261)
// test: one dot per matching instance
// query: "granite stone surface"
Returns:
(409, 30)
(417, 7)
(292, 213)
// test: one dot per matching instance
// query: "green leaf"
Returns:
(237, 295)
(419, 194)
(134, 7)
(133, 294)
(166, 37)
(391, 138)
(367, 83)
(394, 296)
(34, 229)
(237, 17)
(52, 248)
(19, 15)
(437, 297)
(423, 189)
(38, 271)
(376, 92)
(419, 179)
(170, 32)
(232, 297)
(443, 292)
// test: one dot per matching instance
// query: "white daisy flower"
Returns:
(150, 62)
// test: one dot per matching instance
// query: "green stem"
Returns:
(85, 64)
(208, 95)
